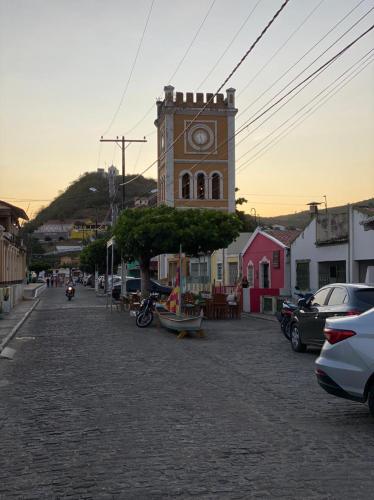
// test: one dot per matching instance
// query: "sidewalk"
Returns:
(265, 317)
(13, 320)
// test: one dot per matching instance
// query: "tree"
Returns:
(145, 233)
(93, 255)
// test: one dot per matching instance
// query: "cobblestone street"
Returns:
(93, 407)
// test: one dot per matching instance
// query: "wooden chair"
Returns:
(220, 306)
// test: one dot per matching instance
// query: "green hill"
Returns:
(301, 219)
(78, 202)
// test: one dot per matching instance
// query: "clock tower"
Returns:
(196, 154)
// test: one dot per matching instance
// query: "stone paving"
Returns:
(93, 408)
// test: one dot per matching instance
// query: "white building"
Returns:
(333, 248)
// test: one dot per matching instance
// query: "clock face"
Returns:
(200, 137)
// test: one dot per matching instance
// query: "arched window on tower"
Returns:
(200, 185)
(186, 186)
(216, 186)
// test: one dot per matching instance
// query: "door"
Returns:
(312, 318)
(233, 273)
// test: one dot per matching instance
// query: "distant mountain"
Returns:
(301, 219)
(79, 202)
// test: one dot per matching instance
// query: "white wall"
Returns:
(362, 241)
(304, 248)
(360, 247)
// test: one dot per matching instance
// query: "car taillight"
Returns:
(334, 336)
(353, 312)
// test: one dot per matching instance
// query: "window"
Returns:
(250, 275)
(201, 186)
(320, 297)
(337, 297)
(276, 259)
(216, 187)
(302, 275)
(194, 269)
(219, 271)
(186, 186)
(264, 275)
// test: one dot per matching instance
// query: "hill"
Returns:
(301, 219)
(78, 202)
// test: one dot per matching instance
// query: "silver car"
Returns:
(345, 367)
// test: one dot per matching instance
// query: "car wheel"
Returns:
(371, 399)
(296, 343)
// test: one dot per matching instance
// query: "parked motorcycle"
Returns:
(69, 292)
(144, 316)
(288, 308)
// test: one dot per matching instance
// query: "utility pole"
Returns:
(121, 141)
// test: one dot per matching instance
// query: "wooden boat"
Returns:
(179, 322)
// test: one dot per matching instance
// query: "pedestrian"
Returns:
(47, 281)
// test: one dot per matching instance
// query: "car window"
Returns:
(320, 297)
(338, 296)
(366, 296)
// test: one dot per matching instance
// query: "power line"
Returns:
(131, 70)
(192, 41)
(312, 75)
(303, 107)
(302, 57)
(147, 113)
(282, 46)
(305, 115)
(260, 36)
(229, 45)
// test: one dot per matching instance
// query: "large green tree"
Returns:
(144, 233)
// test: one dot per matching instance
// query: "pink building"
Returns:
(266, 263)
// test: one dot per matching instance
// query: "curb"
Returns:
(14, 330)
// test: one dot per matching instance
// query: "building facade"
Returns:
(12, 256)
(196, 150)
(266, 264)
(333, 248)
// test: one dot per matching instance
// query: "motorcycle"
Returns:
(69, 292)
(144, 316)
(287, 311)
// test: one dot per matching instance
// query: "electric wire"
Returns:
(305, 20)
(293, 96)
(288, 93)
(305, 115)
(230, 44)
(192, 41)
(241, 61)
(148, 112)
(304, 55)
(131, 70)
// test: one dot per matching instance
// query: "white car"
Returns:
(345, 367)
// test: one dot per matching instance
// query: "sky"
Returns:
(74, 70)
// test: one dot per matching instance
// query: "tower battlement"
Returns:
(198, 99)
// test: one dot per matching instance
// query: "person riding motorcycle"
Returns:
(70, 283)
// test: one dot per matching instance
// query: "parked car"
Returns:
(345, 367)
(134, 284)
(338, 299)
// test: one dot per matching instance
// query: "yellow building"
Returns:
(196, 150)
